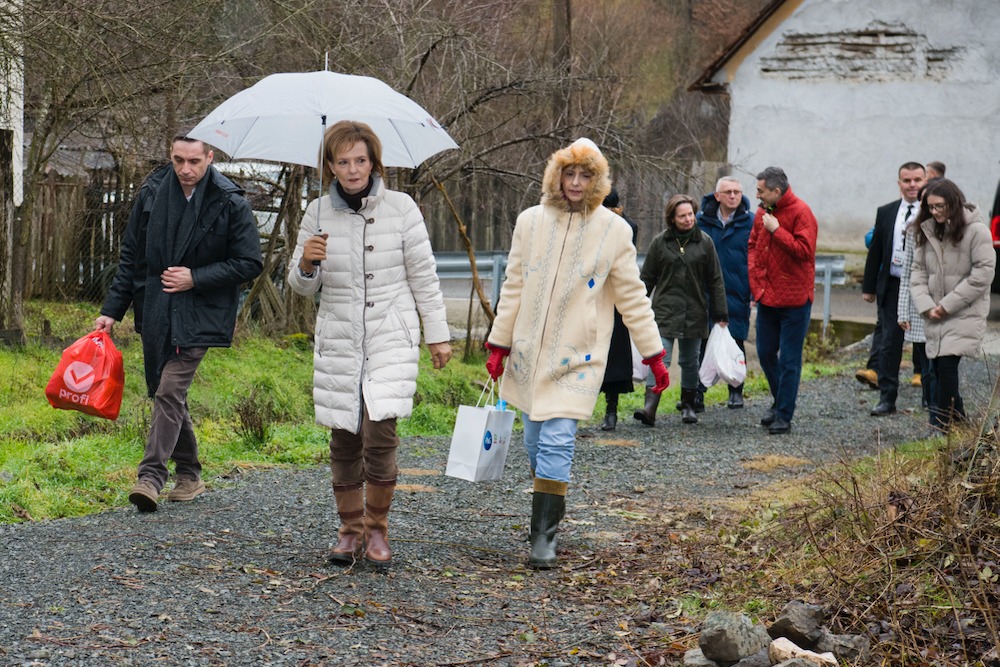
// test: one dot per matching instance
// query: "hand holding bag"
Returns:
(724, 360)
(480, 440)
(90, 377)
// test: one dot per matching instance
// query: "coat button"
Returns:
(370, 304)
(369, 221)
(369, 276)
(369, 248)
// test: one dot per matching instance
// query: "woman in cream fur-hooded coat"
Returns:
(566, 272)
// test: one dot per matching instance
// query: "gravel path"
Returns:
(238, 577)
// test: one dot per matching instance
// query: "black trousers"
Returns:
(891, 351)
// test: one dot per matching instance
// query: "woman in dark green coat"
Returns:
(684, 281)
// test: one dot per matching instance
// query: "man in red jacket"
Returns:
(782, 258)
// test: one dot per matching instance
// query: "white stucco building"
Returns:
(840, 93)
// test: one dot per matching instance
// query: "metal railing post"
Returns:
(827, 282)
(498, 261)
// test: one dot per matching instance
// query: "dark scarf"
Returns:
(173, 219)
(355, 201)
(682, 237)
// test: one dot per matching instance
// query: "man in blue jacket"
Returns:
(726, 217)
(190, 243)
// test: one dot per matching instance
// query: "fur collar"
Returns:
(585, 153)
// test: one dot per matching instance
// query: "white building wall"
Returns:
(840, 115)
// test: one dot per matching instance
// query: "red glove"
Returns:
(659, 371)
(494, 365)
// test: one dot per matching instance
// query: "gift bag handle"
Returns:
(494, 389)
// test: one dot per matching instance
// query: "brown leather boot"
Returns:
(351, 508)
(647, 415)
(378, 500)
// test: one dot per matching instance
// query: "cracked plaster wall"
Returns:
(842, 92)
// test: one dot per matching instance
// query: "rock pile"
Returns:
(797, 638)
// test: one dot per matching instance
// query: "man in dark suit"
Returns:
(881, 281)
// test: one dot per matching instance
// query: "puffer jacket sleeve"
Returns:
(299, 283)
(421, 274)
(719, 307)
(919, 279)
(756, 257)
(978, 282)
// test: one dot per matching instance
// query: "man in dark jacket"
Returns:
(725, 216)
(190, 243)
(883, 269)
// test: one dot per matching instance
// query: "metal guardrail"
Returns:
(830, 270)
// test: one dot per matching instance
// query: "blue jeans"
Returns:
(550, 445)
(688, 358)
(781, 334)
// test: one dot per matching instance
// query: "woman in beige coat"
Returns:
(950, 282)
(571, 264)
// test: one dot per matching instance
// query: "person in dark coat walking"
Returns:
(727, 219)
(190, 243)
(684, 281)
(618, 375)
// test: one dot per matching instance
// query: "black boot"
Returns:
(699, 400)
(688, 415)
(735, 398)
(648, 413)
(548, 507)
(611, 415)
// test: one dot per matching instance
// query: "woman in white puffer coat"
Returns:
(369, 252)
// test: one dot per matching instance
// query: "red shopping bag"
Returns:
(90, 377)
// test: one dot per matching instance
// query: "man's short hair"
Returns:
(727, 179)
(911, 166)
(188, 140)
(774, 177)
(937, 166)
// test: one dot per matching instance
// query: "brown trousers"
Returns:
(368, 455)
(171, 434)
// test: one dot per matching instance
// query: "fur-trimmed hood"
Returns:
(585, 153)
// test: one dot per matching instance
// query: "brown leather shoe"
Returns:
(347, 550)
(377, 551)
(185, 490)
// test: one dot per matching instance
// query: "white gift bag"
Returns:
(480, 440)
(724, 360)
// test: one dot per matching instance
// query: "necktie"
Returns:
(906, 221)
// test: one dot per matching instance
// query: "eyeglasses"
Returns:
(730, 192)
(937, 207)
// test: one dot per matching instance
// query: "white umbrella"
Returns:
(283, 117)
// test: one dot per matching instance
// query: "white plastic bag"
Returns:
(724, 360)
(640, 371)
(480, 440)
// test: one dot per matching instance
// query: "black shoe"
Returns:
(768, 417)
(735, 399)
(883, 408)
(610, 421)
(699, 402)
(779, 426)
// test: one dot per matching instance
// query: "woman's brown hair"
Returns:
(342, 136)
(672, 205)
(954, 227)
